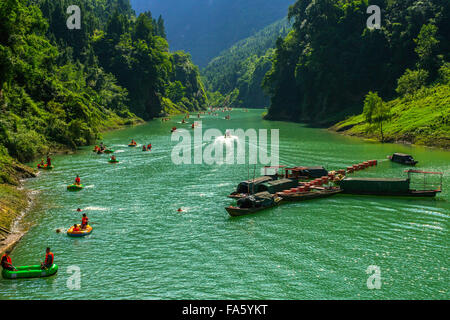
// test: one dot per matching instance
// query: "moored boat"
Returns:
(245, 188)
(403, 158)
(390, 186)
(308, 195)
(253, 203)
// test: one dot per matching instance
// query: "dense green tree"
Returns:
(376, 111)
(323, 69)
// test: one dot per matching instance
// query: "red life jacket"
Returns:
(77, 180)
(49, 258)
(84, 220)
(8, 258)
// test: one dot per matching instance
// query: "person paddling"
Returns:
(77, 180)
(49, 161)
(49, 257)
(149, 147)
(75, 228)
(144, 148)
(6, 262)
(84, 221)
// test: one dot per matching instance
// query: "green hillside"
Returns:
(244, 65)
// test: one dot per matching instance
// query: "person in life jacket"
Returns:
(49, 257)
(75, 228)
(84, 221)
(49, 161)
(79, 210)
(144, 148)
(6, 262)
(42, 163)
(77, 180)
(149, 147)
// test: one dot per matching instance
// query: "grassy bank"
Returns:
(422, 119)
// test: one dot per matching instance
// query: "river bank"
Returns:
(15, 200)
(419, 119)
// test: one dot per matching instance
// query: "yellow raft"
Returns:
(80, 233)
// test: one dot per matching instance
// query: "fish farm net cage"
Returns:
(425, 180)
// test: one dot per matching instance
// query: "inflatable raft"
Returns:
(113, 161)
(108, 151)
(132, 145)
(81, 233)
(74, 187)
(45, 167)
(30, 272)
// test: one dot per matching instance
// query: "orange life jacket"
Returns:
(49, 258)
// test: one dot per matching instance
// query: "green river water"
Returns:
(142, 248)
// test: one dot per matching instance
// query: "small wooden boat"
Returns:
(253, 203)
(403, 159)
(315, 194)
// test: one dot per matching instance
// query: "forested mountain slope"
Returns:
(204, 28)
(61, 87)
(244, 65)
(328, 63)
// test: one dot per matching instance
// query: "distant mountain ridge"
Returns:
(204, 28)
(244, 65)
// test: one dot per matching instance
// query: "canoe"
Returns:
(45, 167)
(74, 187)
(81, 233)
(30, 272)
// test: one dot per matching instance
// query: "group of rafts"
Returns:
(306, 183)
(76, 231)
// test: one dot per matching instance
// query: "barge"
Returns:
(389, 186)
(302, 195)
